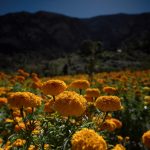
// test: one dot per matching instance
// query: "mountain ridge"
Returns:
(28, 38)
(44, 30)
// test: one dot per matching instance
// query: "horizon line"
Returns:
(57, 13)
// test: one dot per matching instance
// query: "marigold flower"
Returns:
(18, 119)
(93, 92)
(80, 84)
(108, 125)
(70, 103)
(53, 87)
(16, 112)
(88, 139)
(29, 110)
(146, 139)
(108, 103)
(109, 90)
(88, 98)
(46, 146)
(146, 89)
(7, 146)
(37, 85)
(127, 138)
(20, 78)
(35, 132)
(117, 122)
(4, 90)
(1, 141)
(8, 120)
(3, 101)
(19, 126)
(147, 99)
(26, 99)
(49, 106)
(120, 138)
(19, 143)
(119, 147)
(32, 147)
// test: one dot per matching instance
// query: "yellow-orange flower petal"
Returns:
(93, 92)
(88, 139)
(108, 103)
(119, 147)
(26, 99)
(80, 84)
(53, 87)
(146, 139)
(70, 103)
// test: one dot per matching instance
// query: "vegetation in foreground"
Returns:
(108, 111)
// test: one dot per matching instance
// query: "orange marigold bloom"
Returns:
(70, 103)
(32, 147)
(29, 110)
(19, 143)
(20, 78)
(16, 112)
(80, 84)
(48, 106)
(8, 120)
(37, 85)
(93, 92)
(3, 101)
(117, 122)
(108, 103)
(146, 139)
(108, 125)
(26, 99)
(4, 90)
(88, 139)
(19, 126)
(88, 98)
(53, 87)
(119, 147)
(120, 138)
(109, 90)
(147, 99)
(1, 140)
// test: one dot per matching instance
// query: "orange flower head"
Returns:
(26, 99)
(108, 103)
(93, 92)
(70, 103)
(53, 87)
(80, 84)
(88, 139)
(146, 139)
(109, 90)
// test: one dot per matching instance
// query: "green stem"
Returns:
(104, 118)
(80, 91)
(23, 117)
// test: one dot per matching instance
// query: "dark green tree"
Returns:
(89, 51)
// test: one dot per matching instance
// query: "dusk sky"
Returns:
(76, 8)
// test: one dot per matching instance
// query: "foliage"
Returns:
(44, 128)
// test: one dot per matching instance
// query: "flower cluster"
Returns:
(70, 103)
(108, 103)
(146, 139)
(93, 92)
(53, 87)
(80, 84)
(88, 139)
(24, 99)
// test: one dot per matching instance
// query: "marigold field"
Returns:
(110, 111)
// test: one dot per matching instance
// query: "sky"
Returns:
(76, 8)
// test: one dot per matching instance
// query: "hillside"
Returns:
(47, 36)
